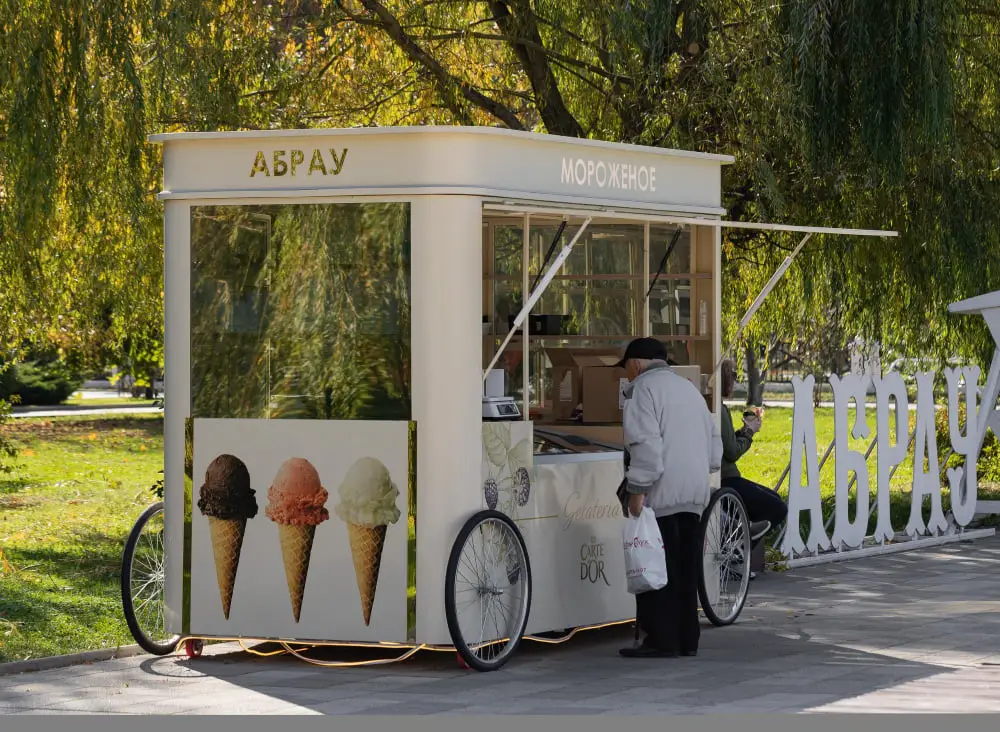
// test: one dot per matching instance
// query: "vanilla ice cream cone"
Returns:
(366, 551)
(227, 540)
(296, 546)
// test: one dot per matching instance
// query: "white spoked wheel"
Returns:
(142, 579)
(725, 570)
(487, 591)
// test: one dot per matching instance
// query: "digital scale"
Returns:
(500, 408)
(496, 405)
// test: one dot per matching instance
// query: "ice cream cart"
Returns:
(363, 329)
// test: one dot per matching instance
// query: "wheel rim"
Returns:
(491, 591)
(726, 558)
(146, 580)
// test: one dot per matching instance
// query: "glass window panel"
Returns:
(508, 250)
(670, 308)
(659, 241)
(595, 307)
(301, 311)
(608, 249)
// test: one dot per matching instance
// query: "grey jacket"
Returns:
(673, 441)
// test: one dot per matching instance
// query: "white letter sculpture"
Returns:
(926, 482)
(889, 387)
(804, 497)
(846, 532)
(964, 492)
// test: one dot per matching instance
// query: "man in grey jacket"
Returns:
(674, 444)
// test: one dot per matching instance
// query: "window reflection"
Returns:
(301, 311)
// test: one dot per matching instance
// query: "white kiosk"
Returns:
(336, 301)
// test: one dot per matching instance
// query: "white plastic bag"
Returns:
(645, 558)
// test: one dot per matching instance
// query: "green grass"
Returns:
(78, 486)
(123, 401)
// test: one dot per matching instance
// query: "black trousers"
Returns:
(762, 503)
(669, 616)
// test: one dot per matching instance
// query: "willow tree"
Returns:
(839, 112)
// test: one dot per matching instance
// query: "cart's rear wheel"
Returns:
(487, 593)
(193, 647)
(725, 567)
(142, 583)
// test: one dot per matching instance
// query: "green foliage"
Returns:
(876, 76)
(867, 114)
(157, 487)
(7, 449)
(41, 382)
(988, 467)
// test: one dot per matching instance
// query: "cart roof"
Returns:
(485, 162)
(436, 130)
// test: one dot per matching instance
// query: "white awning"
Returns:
(610, 213)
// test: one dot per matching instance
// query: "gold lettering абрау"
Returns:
(290, 162)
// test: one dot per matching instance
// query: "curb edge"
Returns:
(73, 659)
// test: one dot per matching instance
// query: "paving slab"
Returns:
(916, 631)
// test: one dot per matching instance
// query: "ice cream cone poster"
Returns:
(327, 557)
(296, 503)
(227, 501)
(368, 507)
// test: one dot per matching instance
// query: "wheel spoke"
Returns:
(143, 582)
(494, 557)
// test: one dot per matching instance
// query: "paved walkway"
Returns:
(912, 632)
(78, 410)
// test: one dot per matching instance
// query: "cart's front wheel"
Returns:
(487, 593)
(725, 567)
(142, 583)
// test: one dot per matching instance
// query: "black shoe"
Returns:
(689, 654)
(645, 652)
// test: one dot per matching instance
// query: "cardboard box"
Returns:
(691, 373)
(566, 390)
(602, 394)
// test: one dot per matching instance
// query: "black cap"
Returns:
(647, 349)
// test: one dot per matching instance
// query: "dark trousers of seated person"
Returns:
(669, 616)
(762, 503)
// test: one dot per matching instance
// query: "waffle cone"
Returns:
(366, 551)
(296, 546)
(227, 540)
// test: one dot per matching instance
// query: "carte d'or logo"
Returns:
(592, 562)
(296, 159)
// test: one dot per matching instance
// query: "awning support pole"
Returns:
(537, 294)
(778, 274)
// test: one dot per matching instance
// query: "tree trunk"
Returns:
(756, 375)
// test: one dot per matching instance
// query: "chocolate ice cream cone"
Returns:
(227, 540)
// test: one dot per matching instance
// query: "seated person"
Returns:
(765, 507)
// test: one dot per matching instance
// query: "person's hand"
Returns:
(635, 503)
